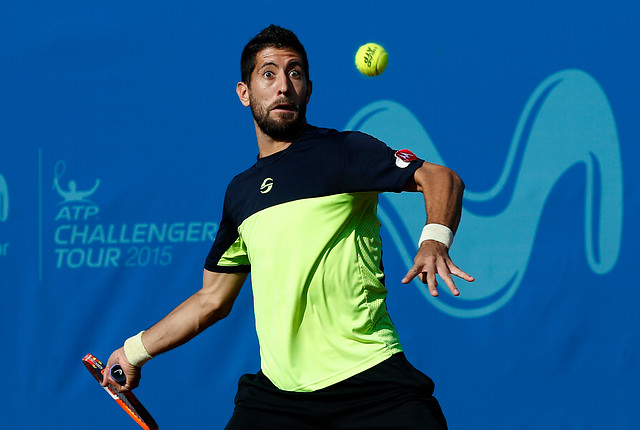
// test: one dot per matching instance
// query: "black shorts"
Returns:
(391, 395)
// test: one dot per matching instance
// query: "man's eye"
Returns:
(268, 74)
(295, 74)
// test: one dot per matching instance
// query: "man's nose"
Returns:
(284, 84)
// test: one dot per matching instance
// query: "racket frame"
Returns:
(127, 400)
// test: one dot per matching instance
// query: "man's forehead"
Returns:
(279, 56)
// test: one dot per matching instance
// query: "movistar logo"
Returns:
(4, 199)
(567, 121)
(266, 186)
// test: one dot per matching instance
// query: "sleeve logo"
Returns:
(404, 157)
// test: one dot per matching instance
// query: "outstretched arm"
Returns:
(442, 189)
(207, 306)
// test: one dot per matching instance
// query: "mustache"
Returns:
(285, 101)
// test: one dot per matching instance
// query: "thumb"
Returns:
(104, 382)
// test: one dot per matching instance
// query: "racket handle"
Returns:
(118, 374)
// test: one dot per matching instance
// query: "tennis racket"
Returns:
(127, 400)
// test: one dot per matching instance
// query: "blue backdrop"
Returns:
(120, 128)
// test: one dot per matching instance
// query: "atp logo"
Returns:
(567, 121)
(72, 193)
(85, 238)
(4, 199)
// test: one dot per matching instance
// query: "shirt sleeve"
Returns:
(228, 254)
(370, 165)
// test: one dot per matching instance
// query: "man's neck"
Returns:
(267, 145)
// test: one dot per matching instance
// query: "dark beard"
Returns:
(286, 130)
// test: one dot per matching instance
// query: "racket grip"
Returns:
(118, 374)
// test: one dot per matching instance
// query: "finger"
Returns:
(432, 283)
(112, 382)
(115, 358)
(106, 377)
(121, 387)
(133, 376)
(108, 380)
(449, 281)
(455, 270)
(412, 273)
(425, 275)
(442, 268)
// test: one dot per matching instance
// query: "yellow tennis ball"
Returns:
(371, 59)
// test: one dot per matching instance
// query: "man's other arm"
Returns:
(442, 189)
(210, 304)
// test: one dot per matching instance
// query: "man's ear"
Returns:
(309, 87)
(242, 90)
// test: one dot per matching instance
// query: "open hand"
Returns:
(433, 258)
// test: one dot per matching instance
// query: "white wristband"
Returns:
(135, 351)
(438, 232)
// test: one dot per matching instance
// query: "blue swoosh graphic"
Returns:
(567, 121)
(4, 199)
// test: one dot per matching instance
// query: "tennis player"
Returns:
(303, 221)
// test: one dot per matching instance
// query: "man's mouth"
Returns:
(287, 107)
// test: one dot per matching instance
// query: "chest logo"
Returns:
(266, 186)
(404, 157)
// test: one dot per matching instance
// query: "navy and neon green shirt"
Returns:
(303, 222)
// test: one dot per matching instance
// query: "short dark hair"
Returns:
(271, 37)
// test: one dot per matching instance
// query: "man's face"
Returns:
(278, 93)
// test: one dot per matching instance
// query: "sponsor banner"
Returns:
(554, 133)
(84, 230)
(120, 129)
